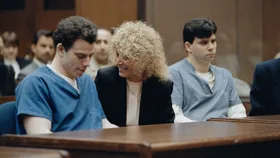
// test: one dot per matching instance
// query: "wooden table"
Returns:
(4, 99)
(196, 140)
(14, 152)
(269, 119)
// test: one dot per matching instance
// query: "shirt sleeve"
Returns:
(177, 95)
(237, 111)
(179, 116)
(32, 98)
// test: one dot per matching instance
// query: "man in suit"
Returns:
(10, 52)
(265, 91)
(43, 49)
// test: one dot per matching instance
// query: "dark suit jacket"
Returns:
(7, 80)
(155, 104)
(265, 92)
(21, 62)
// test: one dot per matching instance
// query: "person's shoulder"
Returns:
(108, 71)
(28, 68)
(43, 72)
(273, 63)
(177, 66)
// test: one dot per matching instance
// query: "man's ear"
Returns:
(33, 48)
(60, 49)
(188, 47)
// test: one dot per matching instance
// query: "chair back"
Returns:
(8, 118)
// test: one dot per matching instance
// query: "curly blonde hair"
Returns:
(140, 42)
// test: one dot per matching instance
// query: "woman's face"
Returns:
(127, 69)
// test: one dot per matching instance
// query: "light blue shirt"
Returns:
(47, 95)
(193, 94)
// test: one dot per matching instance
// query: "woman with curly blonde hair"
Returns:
(136, 91)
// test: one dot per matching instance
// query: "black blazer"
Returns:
(7, 80)
(21, 62)
(155, 104)
(265, 92)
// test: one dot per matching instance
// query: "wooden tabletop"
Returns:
(13, 152)
(155, 137)
(4, 99)
(269, 119)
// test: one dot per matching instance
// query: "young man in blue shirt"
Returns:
(59, 97)
(201, 90)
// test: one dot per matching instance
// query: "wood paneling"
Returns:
(107, 13)
(26, 22)
(271, 28)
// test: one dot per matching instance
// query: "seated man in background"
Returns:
(265, 91)
(43, 49)
(201, 90)
(100, 57)
(59, 97)
(10, 52)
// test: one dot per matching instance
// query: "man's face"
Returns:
(77, 59)
(44, 49)
(101, 45)
(10, 51)
(202, 49)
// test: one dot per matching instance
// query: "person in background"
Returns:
(10, 52)
(7, 82)
(136, 90)
(265, 91)
(100, 57)
(43, 49)
(202, 90)
(59, 96)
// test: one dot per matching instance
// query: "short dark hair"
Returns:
(40, 33)
(72, 28)
(10, 39)
(200, 28)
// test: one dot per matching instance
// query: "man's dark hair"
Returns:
(72, 28)
(41, 33)
(10, 39)
(198, 27)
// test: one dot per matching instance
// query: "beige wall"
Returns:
(247, 30)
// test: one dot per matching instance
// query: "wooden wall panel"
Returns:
(249, 37)
(26, 22)
(271, 28)
(107, 13)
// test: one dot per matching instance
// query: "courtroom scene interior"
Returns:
(139, 78)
